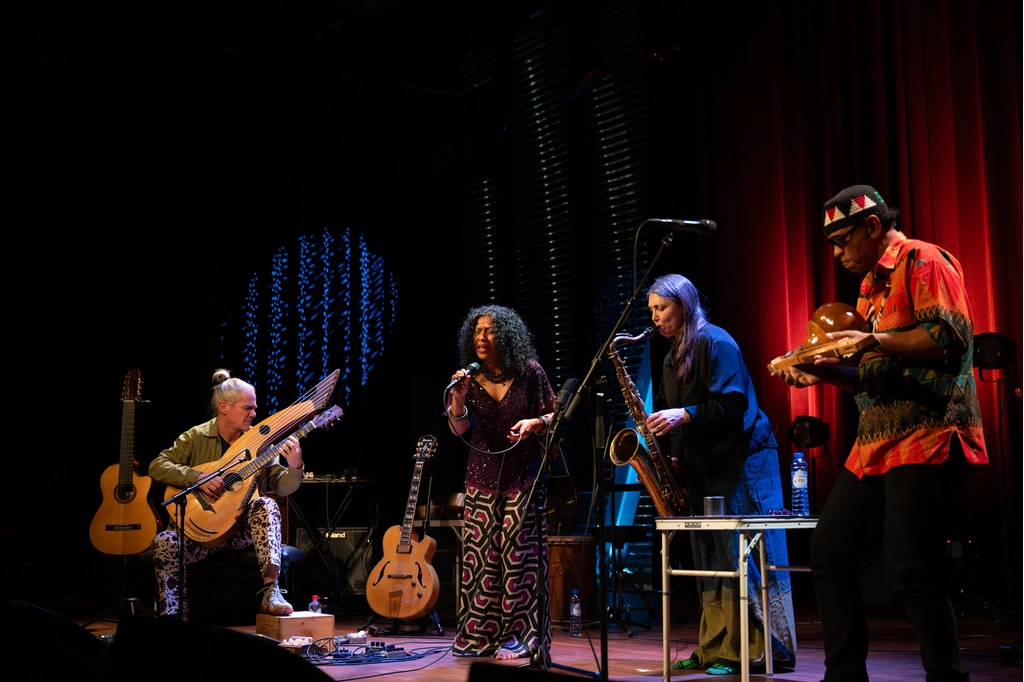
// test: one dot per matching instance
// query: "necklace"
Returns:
(495, 378)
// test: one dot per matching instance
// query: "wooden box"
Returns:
(299, 624)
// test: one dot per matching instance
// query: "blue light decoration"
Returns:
(377, 316)
(277, 324)
(300, 314)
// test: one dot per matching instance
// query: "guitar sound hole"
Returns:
(232, 479)
(125, 492)
(381, 575)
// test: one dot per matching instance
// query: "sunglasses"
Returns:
(841, 240)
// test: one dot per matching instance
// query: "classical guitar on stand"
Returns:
(127, 519)
(403, 585)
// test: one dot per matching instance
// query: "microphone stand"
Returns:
(599, 459)
(540, 658)
(179, 519)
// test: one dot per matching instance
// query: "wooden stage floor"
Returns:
(635, 655)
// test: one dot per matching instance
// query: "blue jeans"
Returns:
(908, 506)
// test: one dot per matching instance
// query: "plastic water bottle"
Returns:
(575, 615)
(314, 606)
(798, 470)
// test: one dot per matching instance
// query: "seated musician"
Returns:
(234, 403)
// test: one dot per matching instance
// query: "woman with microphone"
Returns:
(505, 406)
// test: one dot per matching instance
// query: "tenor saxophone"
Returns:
(646, 458)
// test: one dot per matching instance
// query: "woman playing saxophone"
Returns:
(726, 447)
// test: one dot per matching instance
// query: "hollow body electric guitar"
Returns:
(127, 519)
(211, 523)
(403, 585)
(842, 348)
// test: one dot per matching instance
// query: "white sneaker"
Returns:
(273, 603)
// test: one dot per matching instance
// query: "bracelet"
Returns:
(545, 420)
(464, 417)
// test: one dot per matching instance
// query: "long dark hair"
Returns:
(681, 291)
(512, 339)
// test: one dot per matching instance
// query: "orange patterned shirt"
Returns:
(911, 409)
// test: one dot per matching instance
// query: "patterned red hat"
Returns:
(851, 207)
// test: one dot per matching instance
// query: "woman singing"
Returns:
(506, 407)
(726, 448)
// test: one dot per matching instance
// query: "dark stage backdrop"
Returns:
(165, 157)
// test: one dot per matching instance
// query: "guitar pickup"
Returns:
(123, 526)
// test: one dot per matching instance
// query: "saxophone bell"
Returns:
(624, 447)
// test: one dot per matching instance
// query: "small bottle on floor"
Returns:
(575, 614)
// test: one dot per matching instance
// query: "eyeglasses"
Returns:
(841, 240)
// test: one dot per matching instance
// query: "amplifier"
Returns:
(351, 549)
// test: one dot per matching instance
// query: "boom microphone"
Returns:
(568, 388)
(470, 369)
(701, 227)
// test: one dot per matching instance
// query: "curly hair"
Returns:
(512, 339)
(681, 291)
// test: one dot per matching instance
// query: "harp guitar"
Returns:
(213, 522)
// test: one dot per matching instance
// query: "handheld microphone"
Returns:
(471, 369)
(701, 227)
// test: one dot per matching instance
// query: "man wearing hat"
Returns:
(918, 436)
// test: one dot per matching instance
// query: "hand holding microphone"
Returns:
(457, 378)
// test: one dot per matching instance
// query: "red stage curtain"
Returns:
(779, 106)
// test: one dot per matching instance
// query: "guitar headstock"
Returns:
(425, 448)
(327, 417)
(132, 386)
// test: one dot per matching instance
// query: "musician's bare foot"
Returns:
(512, 649)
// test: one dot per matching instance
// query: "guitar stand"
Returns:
(429, 621)
(129, 605)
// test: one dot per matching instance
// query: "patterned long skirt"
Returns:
(500, 598)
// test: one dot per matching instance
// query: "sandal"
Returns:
(686, 664)
(720, 669)
(512, 649)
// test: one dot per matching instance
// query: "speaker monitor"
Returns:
(351, 548)
(30, 633)
(159, 649)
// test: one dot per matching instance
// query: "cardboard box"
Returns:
(299, 624)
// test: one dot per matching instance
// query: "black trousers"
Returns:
(908, 508)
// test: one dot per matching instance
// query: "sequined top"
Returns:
(529, 396)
